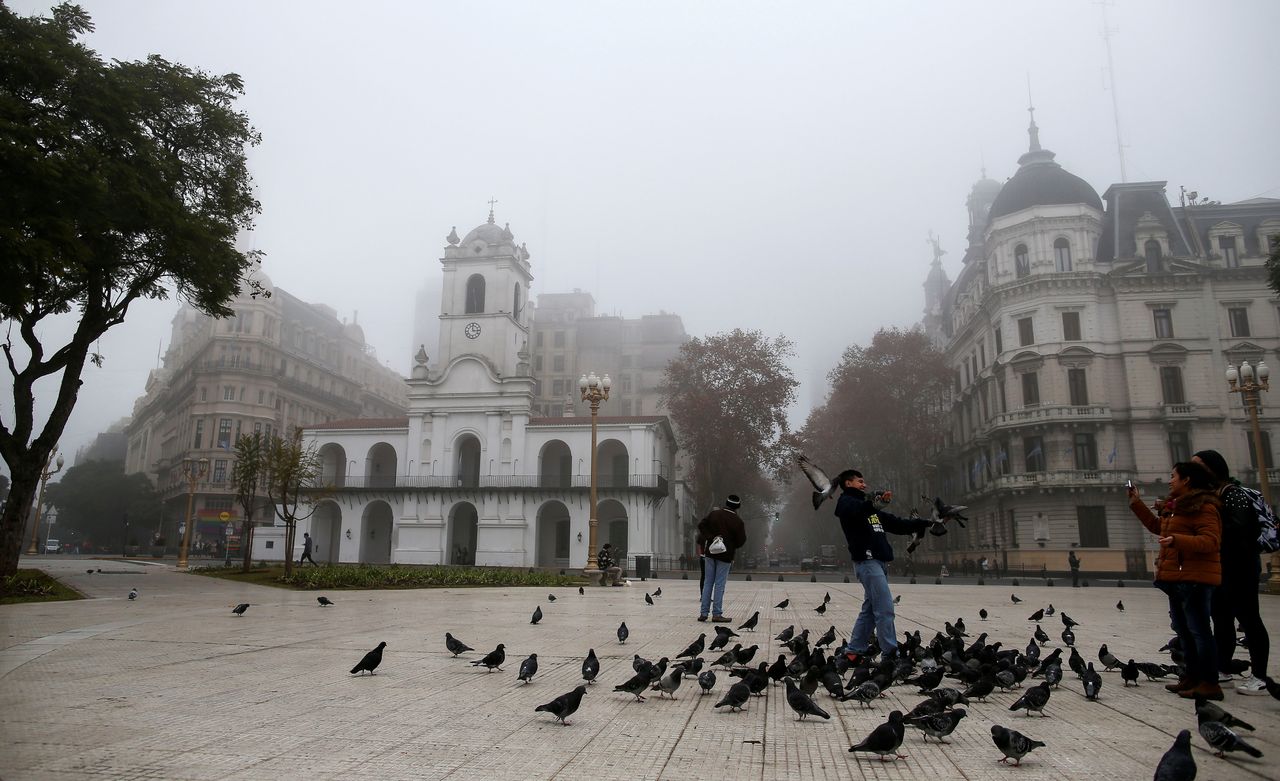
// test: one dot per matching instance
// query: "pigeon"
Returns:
(707, 680)
(1013, 744)
(785, 635)
(720, 641)
(581, 591)
(695, 647)
(528, 668)
(635, 685)
(1214, 712)
(370, 661)
(866, 693)
(1154, 672)
(820, 609)
(897, 600)
(551, 597)
(1129, 672)
(737, 696)
(455, 646)
(1036, 616)
(1120, 605)
(982, 614)
(494, 659)
(783, 604)
(1076, 663)
(537, 615)
(1068, 621)
(1108, 659)
(885, 739)
(133, 593)
(823, 486)
(744, 655)
(657, 592)
(565, 705)
(1222, 739)
(750, 624)
(1015, 599)
(1040, 635)
(828, 637)
(89, 571)
(648, 599)
(728, 658)
(938, 725)
(1034, 699)
(324, 601)
(1177, 764)
(691, 668)
(826, 598)
(1049, 610)
(1069, 638)
(802, 703)
(669, 683)
(590, 666)
(1006, 680)
(1053, 675)
(1092, 683)
(949, 511)
(981, 688)
(1273, 688)
(623, 632)
(240, 608)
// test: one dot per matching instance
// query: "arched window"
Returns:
(515, 304)
(475, 294)
(1151, 250)
(1062, 254)
(1021, 261)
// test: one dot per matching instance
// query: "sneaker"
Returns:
(1210, 691)
(702, 618)
(1226, 679)
(1251, 685)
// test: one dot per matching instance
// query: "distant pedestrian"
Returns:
(1074, 562)
(609, 569)
(306, 550)
(720, 535)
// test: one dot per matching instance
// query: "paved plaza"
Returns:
(173, 686)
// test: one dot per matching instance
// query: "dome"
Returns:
(1040, 182)
(490, 233)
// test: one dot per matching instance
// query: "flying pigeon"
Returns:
(623, 632)
(707, 680)
(802, 703)
(528, 669)
(565, 705)
(648, 599)
(1177, 764)
(551, 597)
(455, 645)
(938, 725)
(982, 614)
(370, 661)
(240, 608)
(1036, 616)
(1015, 599)
(823, 486)
(1034, 699)
(133, 593)
(590, 666)
(885, 739)
(783, 604)
(1120, 607)
(657, 592)
(1013, 744)
(1222, 739)
(737, 696)
(494, 659)
(750, 624)
(324, 601)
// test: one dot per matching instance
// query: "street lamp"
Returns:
(45, 474)
(594, 390)
(194, 469)
(1250, 382)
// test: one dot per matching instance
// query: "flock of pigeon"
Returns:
(948, 671)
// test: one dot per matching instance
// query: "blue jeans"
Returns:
(1189, 614)
(877, 608)
(717, 575)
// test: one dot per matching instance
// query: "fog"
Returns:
(775, 166)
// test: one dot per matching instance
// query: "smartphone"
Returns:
(1128, 484)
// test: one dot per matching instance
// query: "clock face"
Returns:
(472, 330)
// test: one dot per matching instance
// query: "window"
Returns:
(558, 339)
(1179, 446)
(475, 294)
(626, 383)
(557, 363)
(224, 432)
(1026, 332)
(1021, 261)
(626, 407)
(198, 440)
(262, 397)
(1266, 450)
(1171, 385)
(537, 338)
(1033, 450)
(1093, 526)
(1004, 401)
(515, 303)
(220, 470)
(1164, 323)
(1078, 387)
(557, 387)
(1085, 449)
(204, 394)
(1001, 460)
(1227, 248)
(628, 361)
(1238, 316)
(228, 393)
(999, 340)
(1030, 389)
(537, 362)
(982, 352)
(1151, 251)
(1062, 254)
(1070, 326)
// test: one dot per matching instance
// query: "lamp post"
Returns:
(1250, 382)
(594, 390)
(45, 474)
(194, 469)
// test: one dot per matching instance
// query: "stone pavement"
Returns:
(173, 686)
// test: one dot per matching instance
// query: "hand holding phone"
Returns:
(1128, 484)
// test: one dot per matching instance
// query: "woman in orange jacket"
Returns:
(1188, 568)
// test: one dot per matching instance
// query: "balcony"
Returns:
(1178, 411)
(1063, 478)
(656, 484)
(1046, 414)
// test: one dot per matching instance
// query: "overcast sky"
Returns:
(775, 166)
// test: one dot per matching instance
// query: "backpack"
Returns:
(1268, 541)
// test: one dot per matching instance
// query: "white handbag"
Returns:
(717, 546)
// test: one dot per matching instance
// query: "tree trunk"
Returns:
(289, 528)
(246, 542)
(14, 529)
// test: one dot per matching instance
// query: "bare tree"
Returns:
(246, 476)
(290, 470)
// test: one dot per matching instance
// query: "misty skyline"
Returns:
(739, 164)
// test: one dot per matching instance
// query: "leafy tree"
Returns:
(727, 395)
(246, 476)
(289, 473)
(122, 180)
(95, 498)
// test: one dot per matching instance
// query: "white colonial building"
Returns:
(470, 475)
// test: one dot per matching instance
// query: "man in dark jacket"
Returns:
(864, 525)
(724, 525)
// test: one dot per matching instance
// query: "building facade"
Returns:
(473, 474)
(1090, 337)
(278, 364)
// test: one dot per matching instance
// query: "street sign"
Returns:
(224, 516)
(229, 530)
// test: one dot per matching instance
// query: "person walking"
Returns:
(1188, 568)
(1074, 563)
(306, 550)
(864, 524)
(720, 535)
(1237, 598)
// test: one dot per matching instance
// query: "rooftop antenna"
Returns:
(1032, 130)
(1107, 30)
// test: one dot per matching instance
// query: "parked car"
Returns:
(52, 546)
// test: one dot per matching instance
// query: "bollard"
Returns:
(913, 580)
(1119, 584)
(846, 578)
(981, 582)
(813, 578)
(1049, 582)
(562, 573)
(748, 577)
(684, 576)
(779, 578)
(1084, 583)
(1015, 581)
(937, 581)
